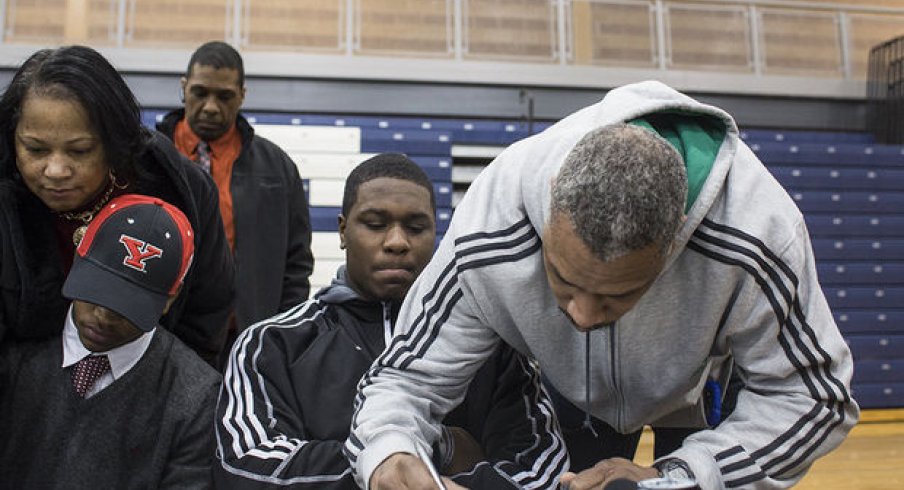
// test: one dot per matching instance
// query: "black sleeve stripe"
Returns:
(243, 418)
(826, 361)
(755, 241)
(729, 453)
(432, 333)
(429, 329)
(514, 242)
(842, 392)
(243, 430)
(794, 465)
(774, 276)
(794, 429)
(804, 372)
(740, 465)
(740, 482)
(527, 252)
(404, 343)
(824, 364)
(805, 326)
(550, 461)
(413, 344)
(702, 243)
(493, 234)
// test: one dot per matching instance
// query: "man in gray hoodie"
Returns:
(638, 250)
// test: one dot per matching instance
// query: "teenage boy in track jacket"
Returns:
(287, 400)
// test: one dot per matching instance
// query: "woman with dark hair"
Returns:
(71, 138)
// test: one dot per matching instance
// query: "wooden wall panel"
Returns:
(176, 22)
(407, 27)
(701, 34)
(708, 36)
(41, 21)
(510, 29)
(303, 25)
(860, 3)
(101, 22)
(800, 42)
(621, 34)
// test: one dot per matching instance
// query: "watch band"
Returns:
(674, 468)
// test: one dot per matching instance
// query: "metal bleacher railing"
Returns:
(885, 91)
(850, 189)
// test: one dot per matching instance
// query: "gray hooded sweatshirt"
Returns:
(739, 288)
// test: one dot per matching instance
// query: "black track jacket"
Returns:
(286, 404)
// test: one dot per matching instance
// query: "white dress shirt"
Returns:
(122, 358)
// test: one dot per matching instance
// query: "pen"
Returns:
(422, 454)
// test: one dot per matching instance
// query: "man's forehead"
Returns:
(211, 77)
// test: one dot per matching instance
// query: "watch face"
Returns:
(676, 472)
(667, 483)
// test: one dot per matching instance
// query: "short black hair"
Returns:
(82, 75)
(390, 165)
(218, 55)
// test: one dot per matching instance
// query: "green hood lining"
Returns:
(697, 138)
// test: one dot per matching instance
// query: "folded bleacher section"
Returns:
(851, 192)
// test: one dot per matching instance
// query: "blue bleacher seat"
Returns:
(829, 154)
(875, 321)
(823, 225)
(879, 371)
(484, 132)
(150, 117)
(849, 201)
(794, 136)
(818, 177)
(413, 142)
(879, 395)
(858, 249)
(864, 297)
(271, 118)
(876, 347)
(861, 273)
(437, 168)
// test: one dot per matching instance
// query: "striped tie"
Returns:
(87, 371)
(203, 156)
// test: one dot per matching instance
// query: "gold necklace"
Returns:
(86, 216)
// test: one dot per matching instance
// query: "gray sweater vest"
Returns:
(151, 428)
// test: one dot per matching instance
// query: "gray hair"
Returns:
(623, 188)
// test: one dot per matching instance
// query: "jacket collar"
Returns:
(168, 126)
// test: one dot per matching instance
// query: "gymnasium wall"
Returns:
(775, 63)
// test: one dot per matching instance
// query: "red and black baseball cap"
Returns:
(133, 257)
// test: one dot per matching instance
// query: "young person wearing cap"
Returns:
(114, 402)
(286, 403)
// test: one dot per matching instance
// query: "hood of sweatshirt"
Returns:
(373, 320)
(698, 131)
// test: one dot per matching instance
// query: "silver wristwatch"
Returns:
(674, 469)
